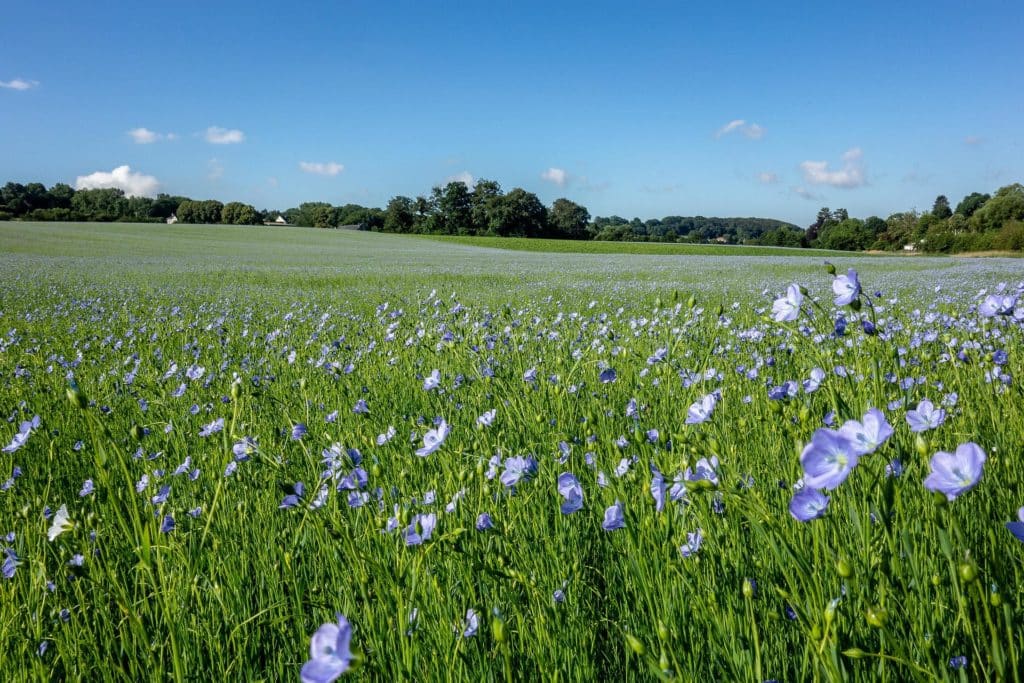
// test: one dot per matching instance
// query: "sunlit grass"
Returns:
(290, 326)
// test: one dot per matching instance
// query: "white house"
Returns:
(280, 220)
(172, 219)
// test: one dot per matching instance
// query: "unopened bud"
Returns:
(76, 396)
(498, 629)
(877, 616)
(854, 653)
(635, 645)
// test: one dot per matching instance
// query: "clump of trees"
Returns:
(455, 209)
(980, 222)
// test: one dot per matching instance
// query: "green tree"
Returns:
(454, 209)
(400, 216)
(570, 220)
(99, 205)
(940, 209)
(519, 214)
(1006, 205)
(237, 213)
(971, 203)
(483, 202)
(60, 196)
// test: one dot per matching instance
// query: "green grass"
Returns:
(289, 326)
(650, 248)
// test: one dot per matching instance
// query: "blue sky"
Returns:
(730, 109)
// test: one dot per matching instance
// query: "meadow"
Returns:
(434, 460)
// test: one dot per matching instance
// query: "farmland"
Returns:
(502, 464)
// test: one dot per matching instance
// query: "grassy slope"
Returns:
(650, 248)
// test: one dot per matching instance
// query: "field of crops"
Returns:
(266, 454)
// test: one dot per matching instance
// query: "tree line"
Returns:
(979, 222)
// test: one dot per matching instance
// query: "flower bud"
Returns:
(635, 645)
(137, 432)
(749, 589)
(854, 653)
(829, 268)
(877, 616)
(968, 571)
(76, 396)
(663, 661)
(844, 569)
(498, 629)
(236, 390)
(921, 445)
(662, 631)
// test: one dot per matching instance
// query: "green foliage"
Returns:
(1006, 205)
(971, 203)
(400, 215)
(569, 220)
(887, 586)
(237, 213)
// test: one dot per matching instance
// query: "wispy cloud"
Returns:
(850, 175)
(144, 136)
(122, 178)
(767, 178)
(19, 84)
(329, 168)
(216, 135)
(214, 169)
(804, 193)
(663, 189)
(973, 140)
(751, 130)
(558, 176)
(464, 177)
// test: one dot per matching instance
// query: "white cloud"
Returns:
(973, 140)
(122, 178)
(216, 135)
(850, 175)
(752, 130)
(767, 178)
(466, 178)
(144, 136)
(330, 168)
(18, 84)
(558, 176)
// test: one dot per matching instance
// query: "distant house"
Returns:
(172, 219)
(909, 247)
(280, 220)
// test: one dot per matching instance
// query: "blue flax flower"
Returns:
(846, 288)
(1017, 528)
(614, 517)
(433, 439)
(569, 487)
(701, 410)
(868, 435)
(828, 459)
(517, 469)
(787, 308)
(955, 473)
(329, 653)
(808, 504)
(925, 417)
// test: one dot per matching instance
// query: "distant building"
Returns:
(172, 219)
(909, 247)
(280, 220)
